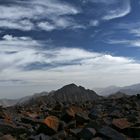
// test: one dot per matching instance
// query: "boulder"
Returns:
(81, 118)
(87, 133)
(12, 129)
(121, 123)
(52, 122)
(40, 137)
(75, 131)
(111, 133)
(70, 112)
(133, 132)
(60, 135)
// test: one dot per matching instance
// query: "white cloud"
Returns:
(65, 22)
(25, 25)
(11, 43)
(135, 43)
(111, 9)
(135, 31)
(61, 65)
(11, 16)
(42, 8)
(60, 23)
(118, 12)
(128, 43)
(51, 15)
(46, 26)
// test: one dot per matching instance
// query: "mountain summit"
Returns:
(68, 93)
(74, 93)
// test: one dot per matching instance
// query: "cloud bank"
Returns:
(26, 63)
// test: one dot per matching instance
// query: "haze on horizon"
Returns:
(45, 44)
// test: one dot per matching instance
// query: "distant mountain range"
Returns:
(129, 90)
(12, 102)
(118, 95)
(74, 93)
(68, 93)
(8, 102)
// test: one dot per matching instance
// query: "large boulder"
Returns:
(111, 133)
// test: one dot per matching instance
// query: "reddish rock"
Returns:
(52, 122)
(72, 110)
(121, 123)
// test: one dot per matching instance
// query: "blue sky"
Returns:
(45, 44)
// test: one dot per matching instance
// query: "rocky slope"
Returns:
(103, 119)
(72, 113)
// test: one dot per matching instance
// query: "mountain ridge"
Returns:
(129, 90)
(68, 93)
(78, 93)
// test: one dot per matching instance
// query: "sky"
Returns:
(45, 44)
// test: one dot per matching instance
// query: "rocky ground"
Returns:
(104, 119)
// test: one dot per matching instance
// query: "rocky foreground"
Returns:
(104, 119)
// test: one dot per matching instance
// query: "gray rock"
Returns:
(87, 133)
(111, 133)
(40, 137)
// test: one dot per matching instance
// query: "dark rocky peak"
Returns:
(68, 93)
(69, 87)
(74, 93)
(73, 89)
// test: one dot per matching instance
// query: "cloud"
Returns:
(46, 26)
(25, 25)
(94, 23)
(49, 15)
(128, 25)
(60, 23)
(12, 38)
(42, 8)
(128, 43)
(135, 31)
(14, 49)
(11, 43)
(21, 15)
(122, 10)
(24, 59)
(110, 9)
(103, 1)
(131, 28)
